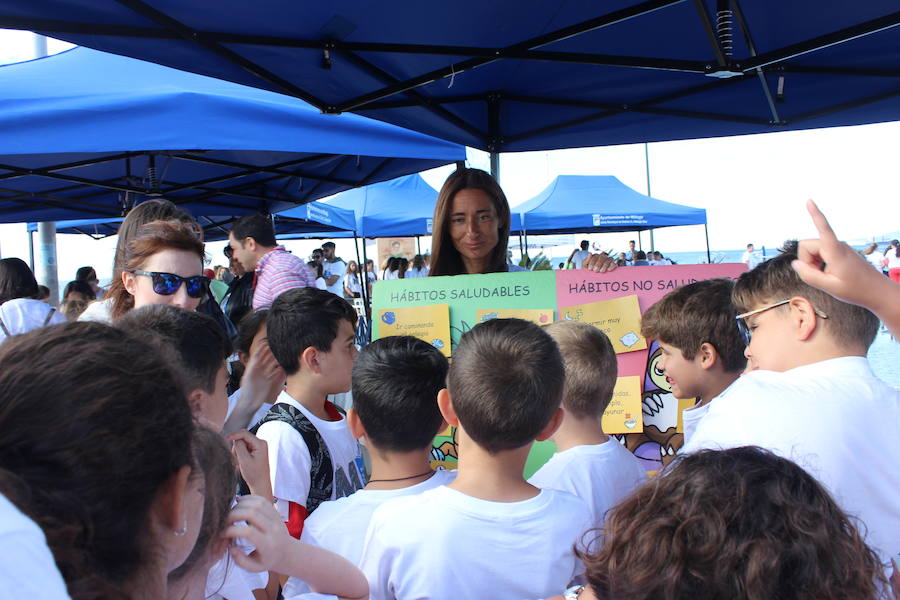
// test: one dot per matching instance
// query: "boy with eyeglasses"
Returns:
(811, 395)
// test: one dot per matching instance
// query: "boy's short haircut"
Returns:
(775, 280)
(257, 226)
(301, 318)
(200, 346)
(591, 368)
(506, 381)
(395, 385)
(696, 313)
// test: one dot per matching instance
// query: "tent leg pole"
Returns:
(525, 255)
(418, 244)
(640, 242)
(31, 249)
(495, 166)
(364, 286)
(706, 231)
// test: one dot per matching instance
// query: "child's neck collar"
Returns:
(310, 397)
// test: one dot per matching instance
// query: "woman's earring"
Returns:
(183, 529)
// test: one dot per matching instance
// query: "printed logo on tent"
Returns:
(596, 218)
(428, 225)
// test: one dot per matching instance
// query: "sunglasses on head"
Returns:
(166, 284)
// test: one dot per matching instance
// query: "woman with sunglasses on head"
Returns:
(162, 264)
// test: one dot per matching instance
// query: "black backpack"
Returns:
(321, 476)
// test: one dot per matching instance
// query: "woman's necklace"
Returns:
(429, 472)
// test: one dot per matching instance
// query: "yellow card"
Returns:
(619, 319)
(430, 323)
(683, 404)
(623, 415)
(541, 316)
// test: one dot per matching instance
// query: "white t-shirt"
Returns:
(445, 544)
(321, 284)
(351, 282)
(692, 416)
(413, 273)
(233, 400)
(290, 463)
(751, 259)
(835, 419)
(228, 581)
(340, 525)
(27, 568)
(893, 261)
(24, 314)
(578, 257)
(876, 258)
(600, 474)
(339, 268)
(98, 311)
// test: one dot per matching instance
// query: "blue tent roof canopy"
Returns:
(597, 203)
(556, 75)
(88, 134)
(400, 207)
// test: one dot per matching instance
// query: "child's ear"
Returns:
(445, 405)
(552, 425)
(169, 505)
(197, 402)
(309, 358)
(128, 281)
(708, 356)
(805, 319)
(355, 424)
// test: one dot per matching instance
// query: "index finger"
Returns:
(821, 223)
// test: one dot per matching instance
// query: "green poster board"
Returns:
(465, 294)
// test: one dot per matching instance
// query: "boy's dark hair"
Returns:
(43, 292)
(775, 280)
(304, 317)
(248, 327)
(199, 344)
(80, 286)
(257, 226)
(85, 274)
(697, 313)
(591, 368)
(17, 280)
(395, 385)
(506, 381)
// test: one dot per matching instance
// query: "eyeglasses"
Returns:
(744, 329)
(166, 284)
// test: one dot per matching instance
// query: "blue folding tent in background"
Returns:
(402, 207)
(87, 135)
(598, 204)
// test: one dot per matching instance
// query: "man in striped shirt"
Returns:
(252, 240)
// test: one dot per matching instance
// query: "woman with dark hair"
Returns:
(418, 268)
(162, 264)
(352, 281)
(742, 524)
(471, 228)
(20, 311)
(76, 296)
(104, 468)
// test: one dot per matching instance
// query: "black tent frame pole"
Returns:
(706, 232)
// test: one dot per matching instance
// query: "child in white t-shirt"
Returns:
(489, 533)
(395, 385)
(812, 396)
(588, 463)
(702, 352)
(312, 456)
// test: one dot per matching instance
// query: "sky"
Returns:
(754, 187)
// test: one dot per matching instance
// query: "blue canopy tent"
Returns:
(397, 208)
(88, 134)
(525, 75)
(598, 204)
(311, 217)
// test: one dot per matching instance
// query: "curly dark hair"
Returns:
(93, 424)
(739, 524)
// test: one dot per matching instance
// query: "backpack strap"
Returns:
(4, 328)
(49, 316)
(321, 474)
